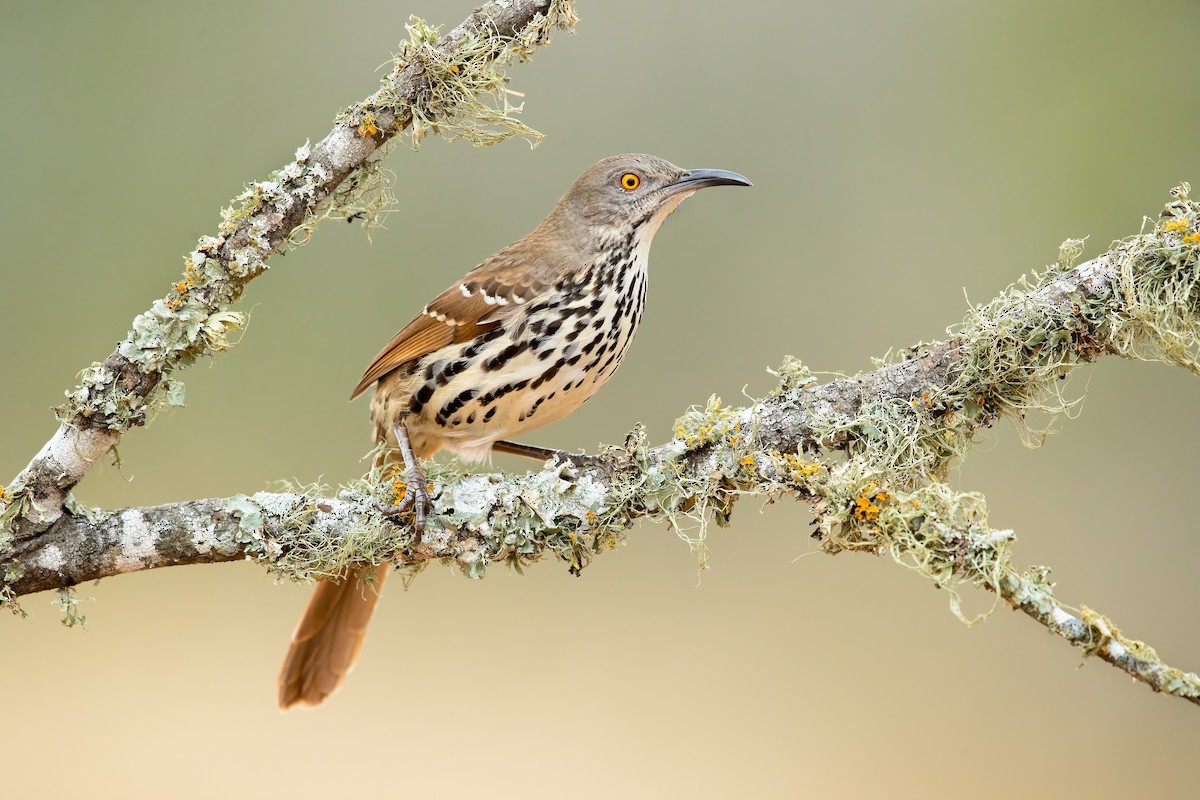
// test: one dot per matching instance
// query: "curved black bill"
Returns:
(700, 178)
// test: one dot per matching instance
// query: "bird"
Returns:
(522, 340)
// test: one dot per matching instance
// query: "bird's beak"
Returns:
(694, 179)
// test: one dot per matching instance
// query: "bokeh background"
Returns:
(906, 156)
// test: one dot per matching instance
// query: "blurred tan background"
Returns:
(903, 154)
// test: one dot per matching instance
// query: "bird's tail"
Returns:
(329, 636)
(331, 632)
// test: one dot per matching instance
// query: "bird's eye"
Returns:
(630, 181)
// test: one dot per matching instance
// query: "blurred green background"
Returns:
(904, 155)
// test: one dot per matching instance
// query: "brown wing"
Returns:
(470, 307)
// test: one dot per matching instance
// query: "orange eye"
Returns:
(630, 181)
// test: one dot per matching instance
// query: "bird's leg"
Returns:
(526, 450)
(542, 453)
(416, 496)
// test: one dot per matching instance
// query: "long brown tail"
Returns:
(331, 632)
(328, 638)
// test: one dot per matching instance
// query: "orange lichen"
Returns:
(795, 469)
(869, 503)
(797, 466)
(368, 128)
(400, 487)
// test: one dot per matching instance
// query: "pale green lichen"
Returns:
(1020, 349)
(249, 516)
(910, 441)
(194, 318)
(466, 95)
(547, 513)
(287, 546)
(174, 393)
(13, 571)
(1015, 352)
(14, 504)
(932, 529)
(793, 375)
(67, 603)
(366, 195)
(689, 501)
(1069, 252)
(1158, 284)
(162, 338)
(714, 422)
(78, 509)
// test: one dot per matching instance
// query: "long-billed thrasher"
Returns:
(521, 341)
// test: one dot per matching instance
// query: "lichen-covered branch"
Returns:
(1031, 592)
(453, 84)
(868, 454)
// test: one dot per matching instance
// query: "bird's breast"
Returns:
(542, 362)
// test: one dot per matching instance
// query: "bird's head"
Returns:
(637, 190)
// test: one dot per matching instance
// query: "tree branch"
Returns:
(869, 454)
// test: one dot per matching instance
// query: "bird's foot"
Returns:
(412, 496)
(416, 494)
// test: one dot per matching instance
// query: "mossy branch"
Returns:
(454, 84)
(868, 454)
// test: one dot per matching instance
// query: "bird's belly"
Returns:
(495, 393)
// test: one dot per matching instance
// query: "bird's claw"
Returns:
(415, 499)
(416, 496)
(419, 500)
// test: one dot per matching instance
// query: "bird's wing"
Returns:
(474, 305)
